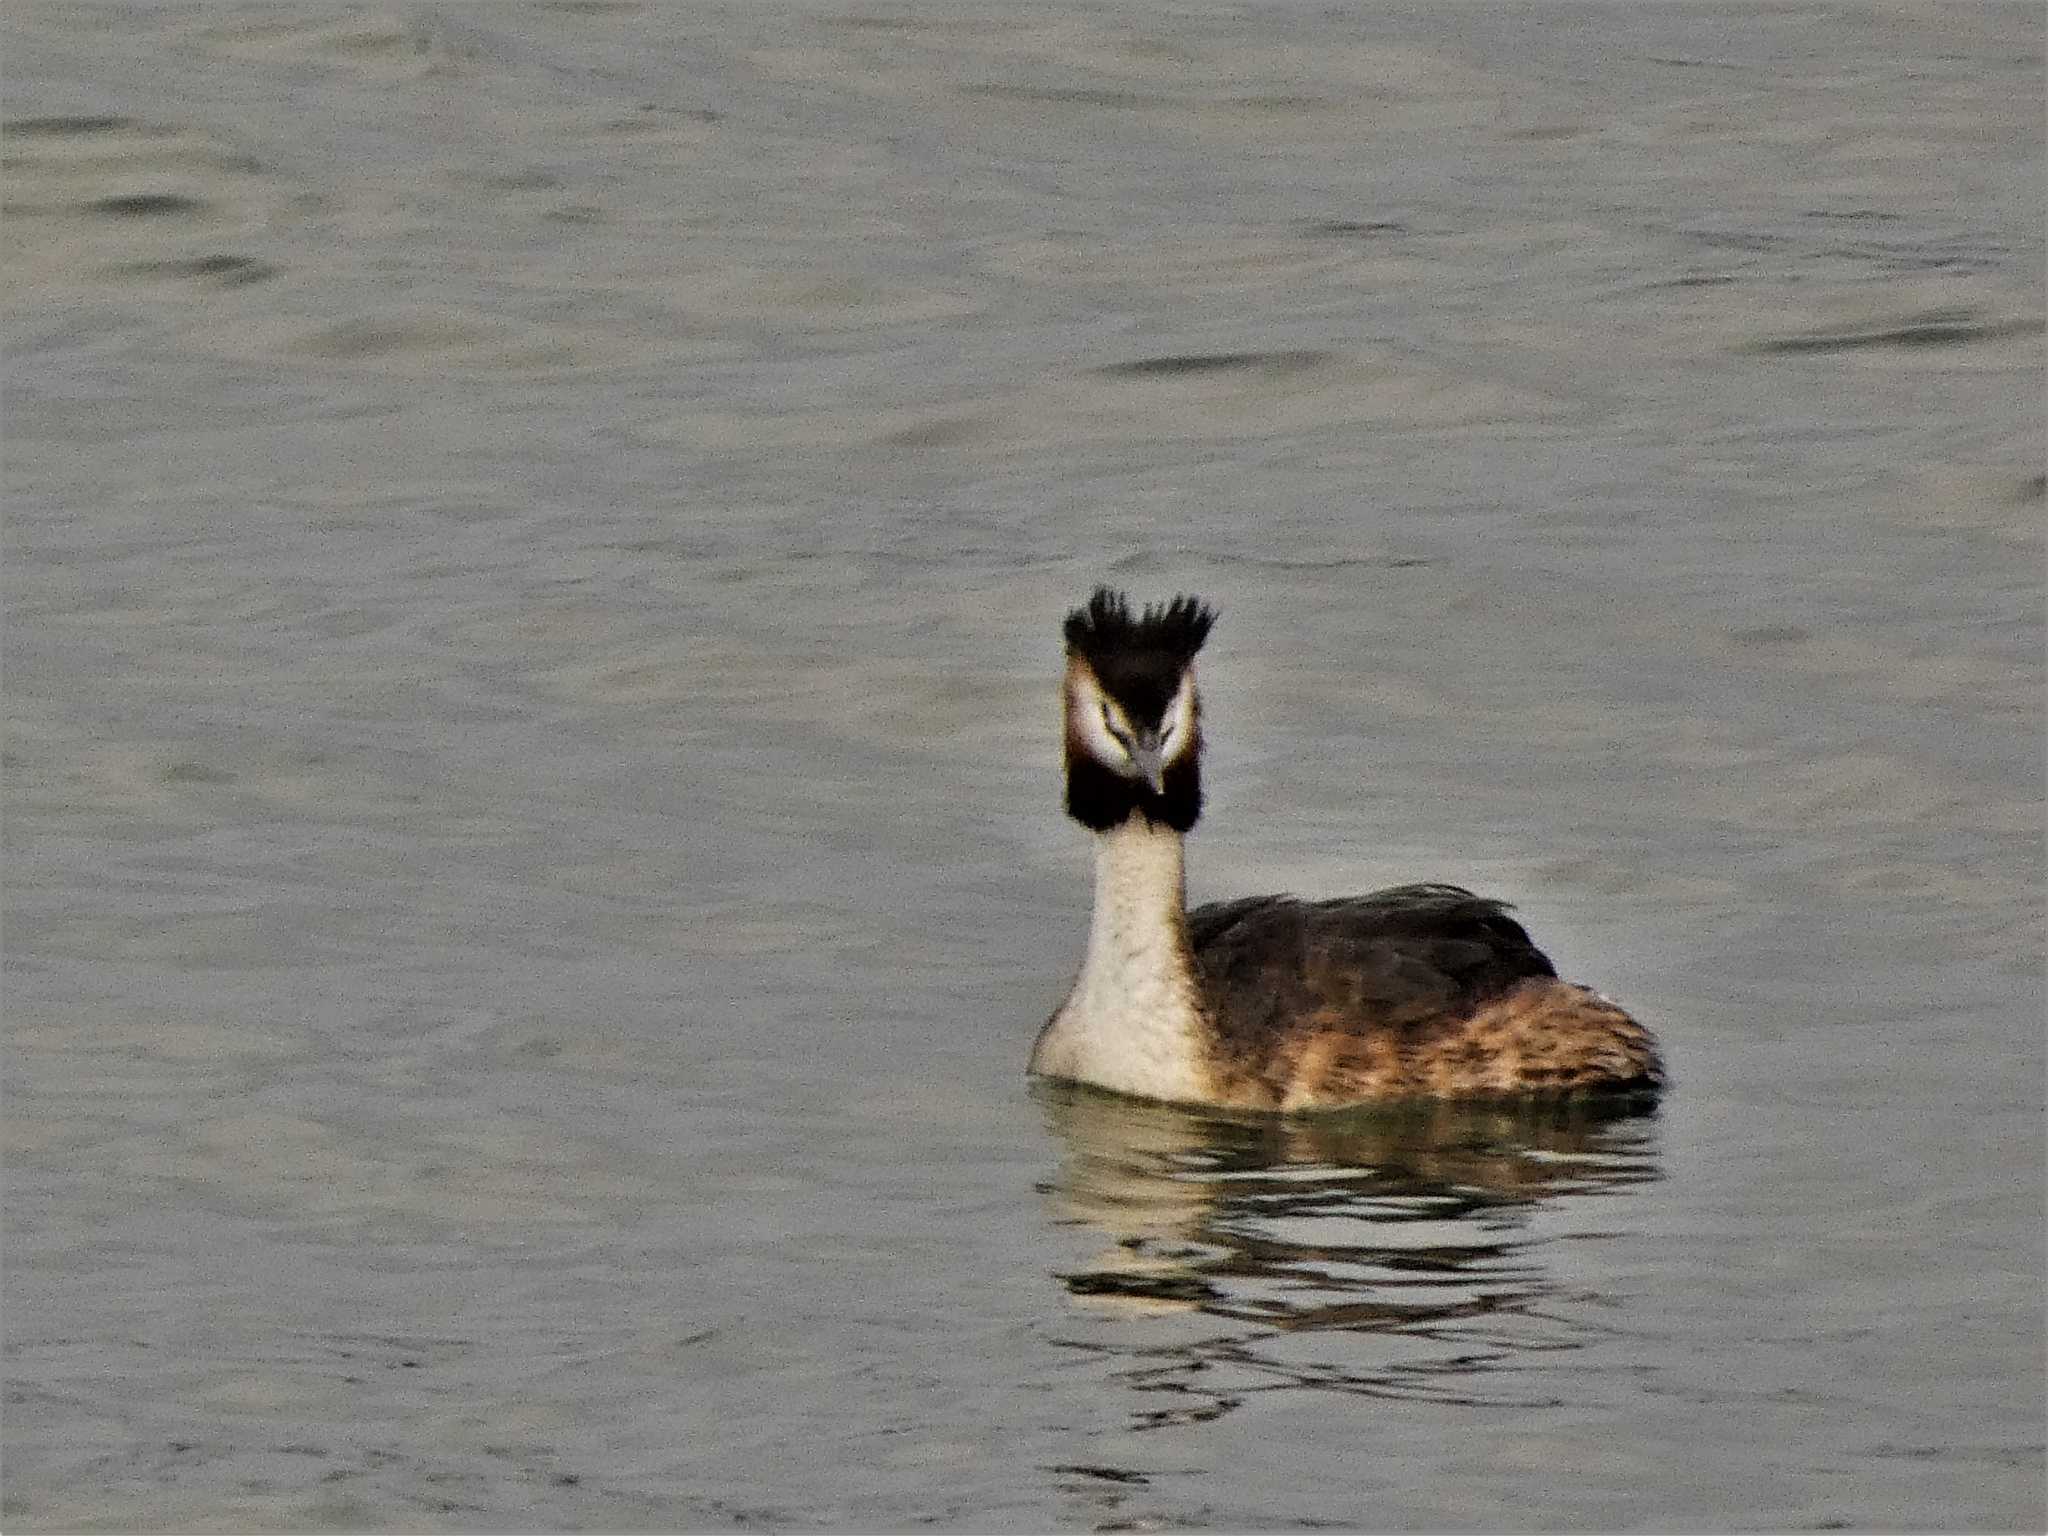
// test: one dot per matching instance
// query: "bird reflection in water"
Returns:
(1384, 1253)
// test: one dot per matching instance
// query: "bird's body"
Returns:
(1271, 1002)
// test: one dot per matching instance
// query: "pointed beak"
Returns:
(1145, 757)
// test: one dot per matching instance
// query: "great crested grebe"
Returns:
(1271, 1002)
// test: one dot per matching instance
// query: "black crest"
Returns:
(1138, 658)
(1106, 627)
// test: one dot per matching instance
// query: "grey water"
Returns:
(535, 539)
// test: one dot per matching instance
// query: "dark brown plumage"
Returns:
(1403, 957)
(1416, 990)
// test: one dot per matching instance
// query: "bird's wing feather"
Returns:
(1410, 960)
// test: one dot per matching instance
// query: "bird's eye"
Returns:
(1122, 737)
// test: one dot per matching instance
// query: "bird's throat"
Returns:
(1134, 1021)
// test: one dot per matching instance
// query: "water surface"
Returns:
(535, 542)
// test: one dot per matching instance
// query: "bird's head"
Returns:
(1133, 717)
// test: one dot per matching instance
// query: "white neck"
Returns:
(1134, 1020)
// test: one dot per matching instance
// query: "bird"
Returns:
(1276, 1003)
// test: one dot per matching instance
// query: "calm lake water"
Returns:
(535, 541)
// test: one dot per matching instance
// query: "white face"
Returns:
(1101, 725)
